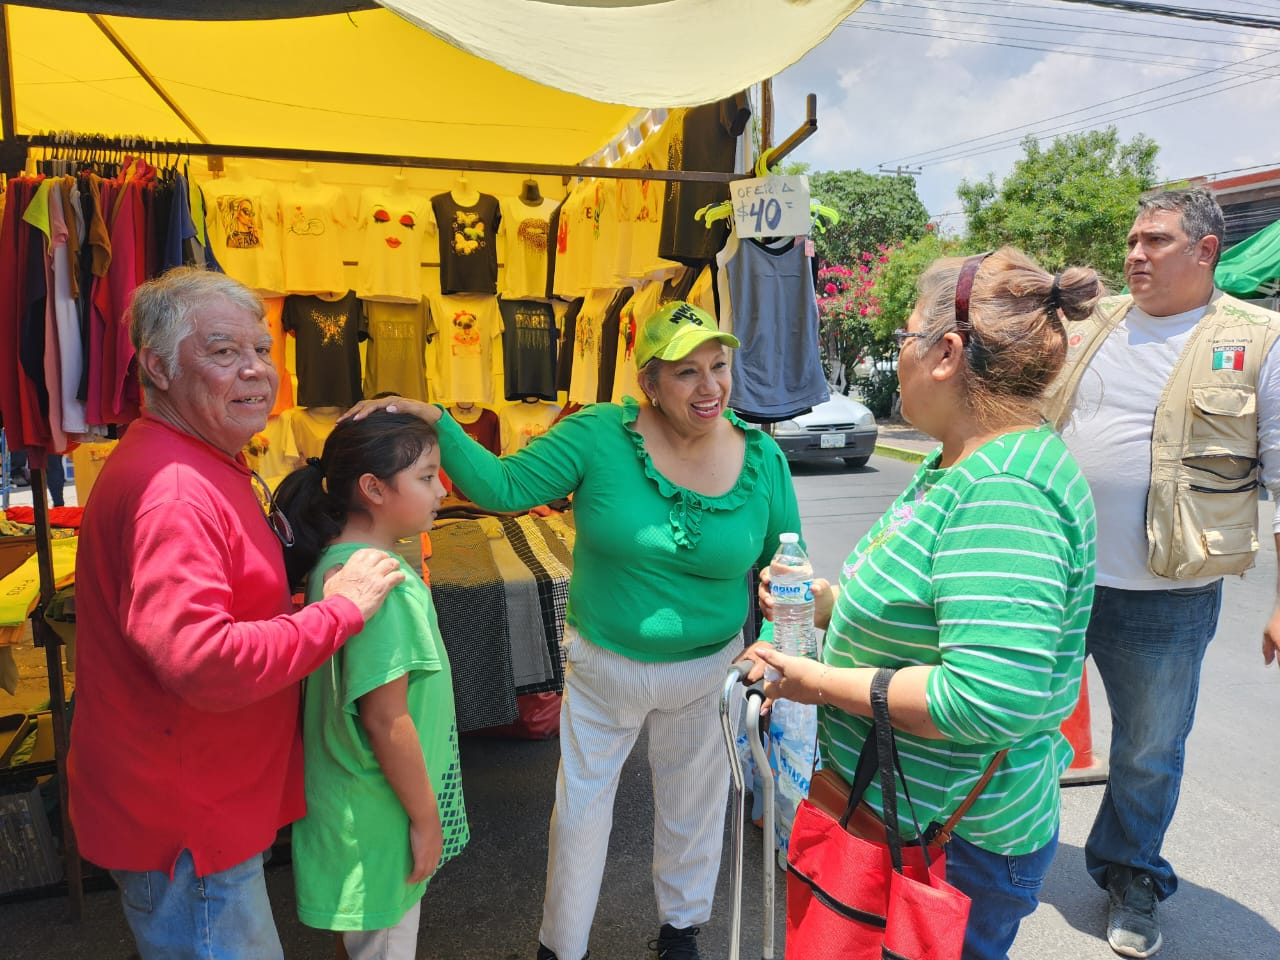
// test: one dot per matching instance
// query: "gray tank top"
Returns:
(777, 372)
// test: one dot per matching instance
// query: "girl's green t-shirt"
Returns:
(351, 851)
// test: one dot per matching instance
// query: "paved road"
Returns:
(486, 905)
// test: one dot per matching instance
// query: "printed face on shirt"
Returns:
(413, 496)
(395, 227)
(693, 392)
(1167, 273)
(225, 383)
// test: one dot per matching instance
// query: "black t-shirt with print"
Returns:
(708, 140)
(529, 343)
(329, 334)
(468, 244)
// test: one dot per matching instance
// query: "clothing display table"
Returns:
(500, 586)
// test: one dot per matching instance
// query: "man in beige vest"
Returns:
(1171, 405)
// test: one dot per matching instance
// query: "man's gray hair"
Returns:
(162, 312)
(1199, 211)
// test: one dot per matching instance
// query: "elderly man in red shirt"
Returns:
(186, 756)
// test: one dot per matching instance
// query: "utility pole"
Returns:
(900, 171)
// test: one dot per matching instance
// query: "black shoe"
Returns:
(546, 954)
(1132, 927)
(673, 944)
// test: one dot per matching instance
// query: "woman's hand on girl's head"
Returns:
(423, 411)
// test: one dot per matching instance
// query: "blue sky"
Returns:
(902, 77)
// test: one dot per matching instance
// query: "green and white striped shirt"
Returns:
(984, 569)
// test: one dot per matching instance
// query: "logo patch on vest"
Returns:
(1228, 357)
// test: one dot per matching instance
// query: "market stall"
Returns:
(364, 157)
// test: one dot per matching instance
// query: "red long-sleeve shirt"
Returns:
(186, 733)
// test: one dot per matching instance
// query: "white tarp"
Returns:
(644, 53)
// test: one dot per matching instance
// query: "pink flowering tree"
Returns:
(849, 312)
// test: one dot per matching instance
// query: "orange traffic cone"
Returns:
(1078, 729)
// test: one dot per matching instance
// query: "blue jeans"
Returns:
(224, 915)
(1003, 890)
(1148, 646)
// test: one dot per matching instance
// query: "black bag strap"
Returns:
(880, 756)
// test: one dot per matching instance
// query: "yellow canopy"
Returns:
(369, 81)
(366, 82)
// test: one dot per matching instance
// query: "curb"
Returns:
(900, 453)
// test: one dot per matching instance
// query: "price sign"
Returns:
(771, 206)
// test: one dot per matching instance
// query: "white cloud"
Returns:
(884, 96)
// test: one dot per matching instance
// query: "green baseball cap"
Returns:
(675, 331)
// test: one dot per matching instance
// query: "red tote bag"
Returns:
(858, 898)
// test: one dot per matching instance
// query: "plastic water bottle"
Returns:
(791, 584)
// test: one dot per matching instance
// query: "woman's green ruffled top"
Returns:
(659, 570)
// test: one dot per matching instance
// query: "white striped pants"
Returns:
(608, 699)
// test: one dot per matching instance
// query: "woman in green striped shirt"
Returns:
(976, 585)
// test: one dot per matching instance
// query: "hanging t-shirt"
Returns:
(529, 343)
(526, 232)
(244, 232)
(395, 225)
(468, 243)
(777, 372)
(328, 334)
(522, 422)
(584, 385)
(395, 359)
(553, 233)
(481, 424)
(603, 205)
(647, 301)
(313, 219)
(574, 239)
(568, 342)
(708, 140)
(467, 349)
(609, 344)
(273, 314)
(311, 427)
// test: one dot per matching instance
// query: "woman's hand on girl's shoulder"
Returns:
(423, 411)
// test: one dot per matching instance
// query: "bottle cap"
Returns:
(788, 538)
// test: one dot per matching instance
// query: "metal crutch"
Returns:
(755, 738)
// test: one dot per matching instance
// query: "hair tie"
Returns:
(1055, 293)
(315, 464)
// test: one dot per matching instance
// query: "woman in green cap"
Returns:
(675, 500)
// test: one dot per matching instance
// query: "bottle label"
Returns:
(792, 592)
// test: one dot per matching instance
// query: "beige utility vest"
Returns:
(1202, 505)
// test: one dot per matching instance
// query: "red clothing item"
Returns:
(186, 732)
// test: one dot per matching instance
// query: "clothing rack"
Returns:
(151, 147)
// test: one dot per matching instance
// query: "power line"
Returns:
(1186, 13)
(997, 20)
(925, 155)
(1076, 126)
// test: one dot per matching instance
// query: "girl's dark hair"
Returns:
(319, 497)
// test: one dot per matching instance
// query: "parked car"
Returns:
(841, 427)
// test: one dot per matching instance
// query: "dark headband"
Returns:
(964, 287)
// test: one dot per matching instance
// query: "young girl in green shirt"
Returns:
(384, 791)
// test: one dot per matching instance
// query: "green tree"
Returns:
(1071, 203)
(874, 210)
